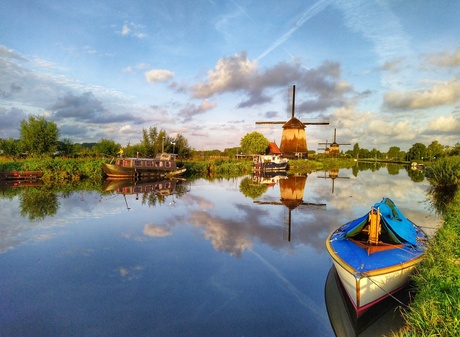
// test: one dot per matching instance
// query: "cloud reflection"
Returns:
(156, 231)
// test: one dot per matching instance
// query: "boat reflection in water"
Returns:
(5, 184)
(152, 191)
(380, 320)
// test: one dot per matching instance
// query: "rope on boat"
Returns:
(389, 294)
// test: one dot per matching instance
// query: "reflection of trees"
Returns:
(416, 175)
(251, 190)
(393, 169)
(365, 166)
(38, 203)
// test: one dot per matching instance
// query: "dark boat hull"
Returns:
(120, 172)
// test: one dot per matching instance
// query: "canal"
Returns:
(226, 257)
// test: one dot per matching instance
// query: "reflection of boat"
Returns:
(417, 166)
(127, 187)
(19, 175)
(163, 165)
(20, 183)
(268, 178)
(270, 162)
(375, 254)
(380, 320)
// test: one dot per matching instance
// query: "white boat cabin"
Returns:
(162, 160)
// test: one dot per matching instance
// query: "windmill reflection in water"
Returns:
(292, 191)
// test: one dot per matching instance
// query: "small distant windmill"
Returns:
(334, 146)
(293, 139)
(326, 148)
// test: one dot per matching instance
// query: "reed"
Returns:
(444, 177)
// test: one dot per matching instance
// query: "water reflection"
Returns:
(291, 191)
(381, 320)
(150, 191)
(37, 202)
(333, 175)
(208, 260)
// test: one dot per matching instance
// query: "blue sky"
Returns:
(384, 73)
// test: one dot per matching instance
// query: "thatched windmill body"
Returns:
(293, 139)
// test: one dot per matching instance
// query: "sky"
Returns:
(382, 72)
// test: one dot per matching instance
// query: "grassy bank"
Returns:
(63, 169)
(57, 169)
(307, 166)
(435, 310)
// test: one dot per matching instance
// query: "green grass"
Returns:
(435, 310)
(58, 169)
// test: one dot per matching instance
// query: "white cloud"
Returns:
(440, 94)
(133, 30)
(125, 30)
(231, 73)
(446, 124)
(445, 59)
(158, 75)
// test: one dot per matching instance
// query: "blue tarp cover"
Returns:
(400, 229)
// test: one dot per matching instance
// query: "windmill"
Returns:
(334, 146)
(293, 139)
(326, 148)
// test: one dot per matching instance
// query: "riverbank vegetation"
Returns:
(435, 310)
(57, 169)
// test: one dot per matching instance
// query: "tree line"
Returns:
(39, 138)
(256, 143)
(417, 152)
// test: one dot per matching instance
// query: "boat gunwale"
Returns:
(375, 272)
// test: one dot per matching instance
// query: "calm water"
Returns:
(220, 258)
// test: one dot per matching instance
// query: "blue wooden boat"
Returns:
(375, 254)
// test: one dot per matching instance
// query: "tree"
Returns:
(355, 152)
(66, 146)
(107, 147)
(10, 147)
(435, 150)
(254, 143)
(417, 152)
(153, 141)
(455, 151)
(374, 153)
(394, 152)
(181, 146)
(39, 136)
